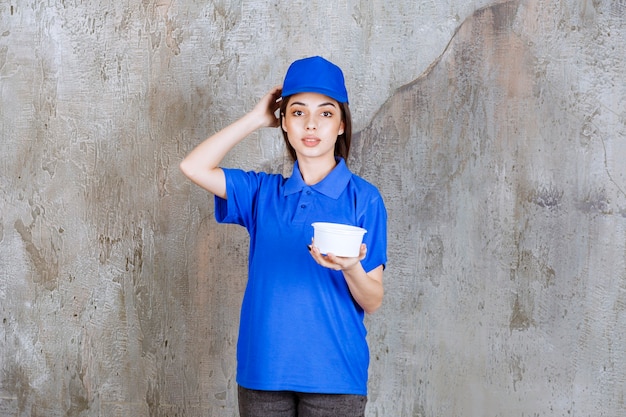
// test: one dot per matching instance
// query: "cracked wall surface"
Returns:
(496, 132)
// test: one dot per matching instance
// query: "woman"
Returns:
(302, 349)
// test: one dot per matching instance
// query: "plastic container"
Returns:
(338, 239)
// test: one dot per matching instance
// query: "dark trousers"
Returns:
(253, 403)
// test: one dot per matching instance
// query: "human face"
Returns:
(312, 123)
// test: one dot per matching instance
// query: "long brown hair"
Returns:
(342, 146)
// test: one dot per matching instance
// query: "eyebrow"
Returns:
(296, 103)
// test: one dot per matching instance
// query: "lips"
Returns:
(311, 141)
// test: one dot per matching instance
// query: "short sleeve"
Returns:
(241, 190)
(374, 220)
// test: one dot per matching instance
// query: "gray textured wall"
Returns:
(496, 132)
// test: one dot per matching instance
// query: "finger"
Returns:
(338, 263)
(315, 253)
(325, 261)
(276, 90)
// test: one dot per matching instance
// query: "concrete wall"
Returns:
(496, 132)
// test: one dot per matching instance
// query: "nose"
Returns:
(311, 124)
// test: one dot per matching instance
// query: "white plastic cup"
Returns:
(338, 239)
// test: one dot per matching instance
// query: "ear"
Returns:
(282, 122)
(341, 128)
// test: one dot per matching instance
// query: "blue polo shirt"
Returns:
(300, 329)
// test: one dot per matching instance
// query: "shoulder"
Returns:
(364, 187)
(252, 184)
(236, 174)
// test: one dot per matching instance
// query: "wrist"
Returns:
(253, 121)
(354, 268)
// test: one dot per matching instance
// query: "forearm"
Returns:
(366, 288)
(202, 164)
(210, 153)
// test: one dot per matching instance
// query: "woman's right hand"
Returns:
(266, 108)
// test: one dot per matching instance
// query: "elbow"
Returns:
(374, 305)
(373, 308)
(185, 168)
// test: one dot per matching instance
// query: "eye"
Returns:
(297, 113)
(327, 113)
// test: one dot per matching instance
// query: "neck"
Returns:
(315, 170)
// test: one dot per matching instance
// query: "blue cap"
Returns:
(315, 75)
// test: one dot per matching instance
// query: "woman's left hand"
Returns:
(338, 263)
(366, 287)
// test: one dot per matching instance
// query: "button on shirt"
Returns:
(300, 328)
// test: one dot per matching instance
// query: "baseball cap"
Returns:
(315, 75)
